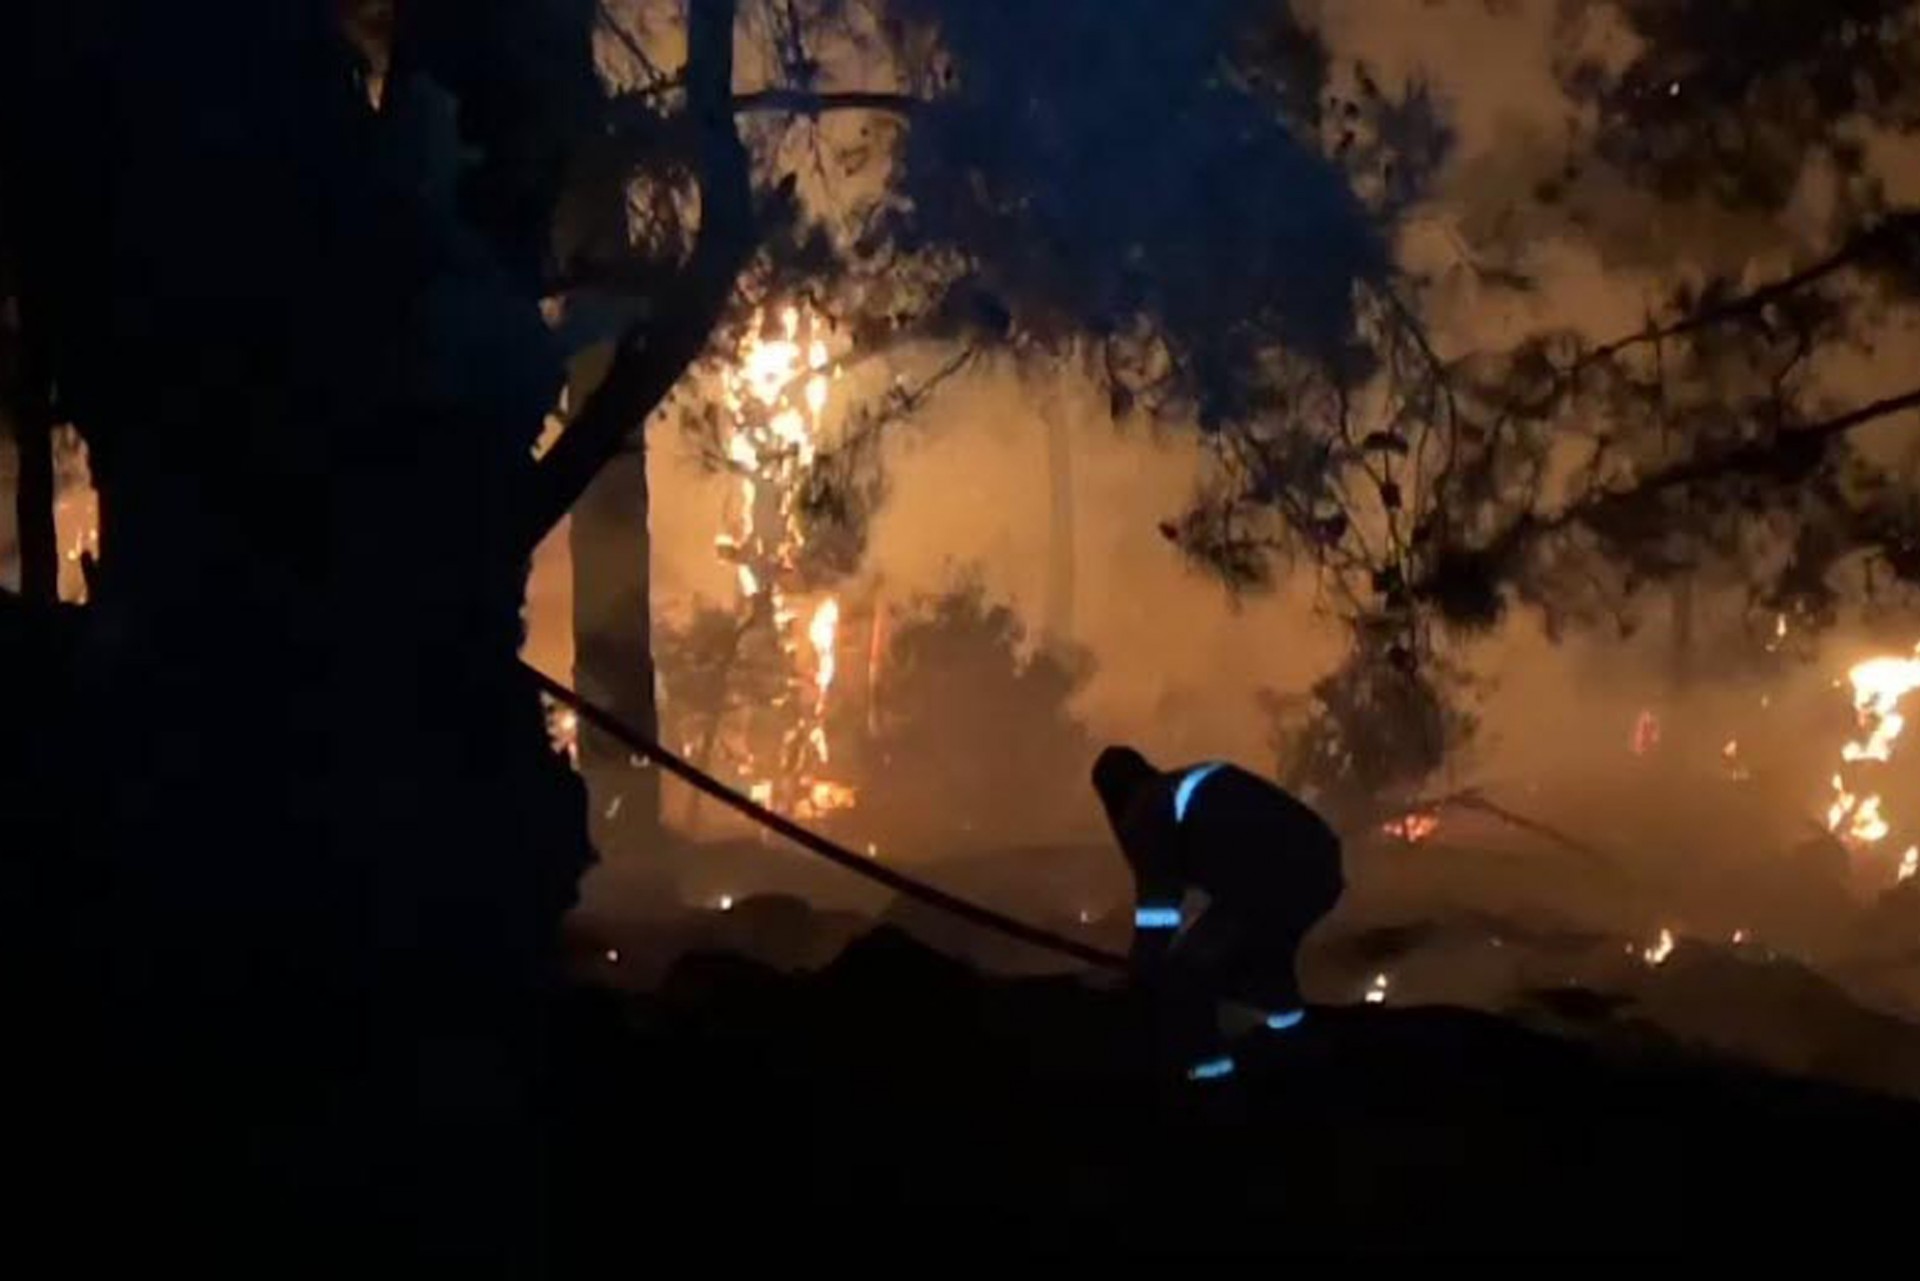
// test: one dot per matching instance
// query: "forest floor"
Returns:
(900, 1097)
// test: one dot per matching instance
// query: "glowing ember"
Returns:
(613, 956)
(1377, 991)
(724, 903)
(1909, 864)
(1739, 937)
(1413, 828)
(1646, 733)
(1657, 955)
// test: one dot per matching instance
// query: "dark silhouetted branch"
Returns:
(653, 356)
(1759, 458)
(805, 102)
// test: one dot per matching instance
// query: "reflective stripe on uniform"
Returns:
(1212, 1069)
(1156, 918)
(1282, 1022)
(1183, 794)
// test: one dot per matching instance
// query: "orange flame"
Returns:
(1412, 828)
(1879, 687)
(775, 394)
(1662, 948)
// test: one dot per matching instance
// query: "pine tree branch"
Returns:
(1759, 458)
(654, 355)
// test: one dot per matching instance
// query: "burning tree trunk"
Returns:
(611, 542)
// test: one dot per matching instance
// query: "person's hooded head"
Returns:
(1119, 775)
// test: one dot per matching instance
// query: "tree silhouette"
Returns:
(290, 274)
(1571, 474)
(974, 717)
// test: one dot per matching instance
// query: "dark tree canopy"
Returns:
(1104, 169)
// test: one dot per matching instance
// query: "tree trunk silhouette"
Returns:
(611, 542)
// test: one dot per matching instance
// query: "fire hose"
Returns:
(964, 909)
(814, 843)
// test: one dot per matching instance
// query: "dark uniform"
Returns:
(1230, 873)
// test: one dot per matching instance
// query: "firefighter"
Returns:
(1230, 872)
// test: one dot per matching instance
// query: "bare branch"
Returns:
(805, 102)
(611, 24)
(1857, 249)
(1758, 458)
(653, 356)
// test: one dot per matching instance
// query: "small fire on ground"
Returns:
(1412, 828)
(1656, 955)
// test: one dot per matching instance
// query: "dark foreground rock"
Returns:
(899, 1098)
(899, 1108)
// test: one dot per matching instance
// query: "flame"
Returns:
(1646, 733)
(76, 513)
(1412, 828)
(1879, 686)
(824, 632)
(1909, 864)
(824, 797)
(1867, 825)
(1377, 991)
(776, 393)
(563, 732)
(1662, 948)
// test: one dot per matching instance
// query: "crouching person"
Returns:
(1230, 872)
